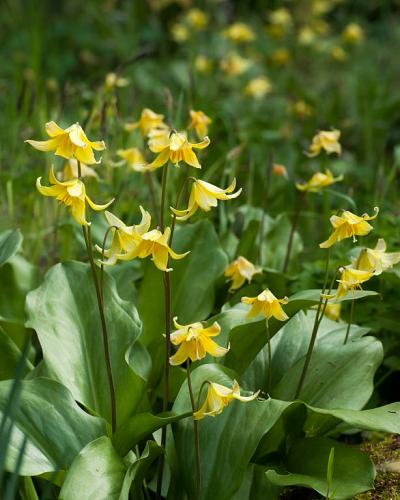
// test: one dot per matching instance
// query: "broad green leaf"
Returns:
(55, 426)
(255, 485)
(9, 356)
(97, 472)
(64, 313)
(307, 464)
(10, 243)
(140, 426)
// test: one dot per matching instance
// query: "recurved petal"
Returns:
(96, 207)
(160, 160)
(180, 356)
(213, 348)
(212, 330)
(202, 144)
(85, 155)
(46, 191)
(49, 145)
(53, 129)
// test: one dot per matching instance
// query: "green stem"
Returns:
(350, 322)
(178, 197)
(196, 433)
(103, 249)
(314, 331)
(269, 359)
(295, 222)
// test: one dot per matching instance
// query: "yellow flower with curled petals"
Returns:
(351, 280)
(258, 87)
(73, 194)
(239, 271)
(205, 196)
(197, 18)
(353, 33)
(239, 33)
(69, 143)
(148, 121)
(266, 304)
(349, 225)
(134, 159)
(319, 181)
(377, 260)
(125, 238)
(70, 170)
(234, 64)
(200, 122)
(218, 397)
(194, 342)
(154, 243)
(327, 140)
(174, 146)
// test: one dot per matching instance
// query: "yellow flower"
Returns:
(200, 122)
(258, 87)
(327, 140)
(306, 35)
(280, 22)
(234, 65)
(174, 146)
(197, 18)
(302, 109)
(70, 170)
(338, 53)
(180, 33)
(73, 194)
(154, 243)
(332, 311)
(69, 143)
(148, 121)
(194, 342)
(377, 260)
(281, 57)
(348, 225)
(113, 80)
(239, 271)
(202, 64)
(353, 33)
(266, 304)
(239, 32)
(350, 280)
(134, 158)
(318, 181)
(125, 238)
(205, 195)
(218, 397)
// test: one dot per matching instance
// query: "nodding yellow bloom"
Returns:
(148, 121)
(202, 64)
(234, 65)
(73, 194)
(353, 33)
(319, 181)
(174, 146)
(69, 143)
(349, 225)
(70, 170)
(302, 109)
(350, 280)
(327, 140)
(125, 238)
(332, 311)
(134, 159)
(239, 33)
(200, 122)
(154, 243)
(194, 342)
(377, 260)
(113, 80)
(339, 54)
(266, 304)
(197, 18)
(258, 87)
(280, 22)
(218, 397)
(239, 271)
(281, 57)
(306, 35)
(180, 33)
(205, 196)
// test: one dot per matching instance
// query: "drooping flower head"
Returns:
(205, 195)
(239, 33)
(174, 146)
(348, 225)
(266, 304)
(327, 140)
(351, 280)
(319, 181)
(258, 87)
(69, 143)
(239, 271)
(218, 397)
(377, 260)
(200, 122)
(148, 121)
(134, 159)
(194, 342)
(73, 194)
(70, 170)
(125, 238)
(332, 311)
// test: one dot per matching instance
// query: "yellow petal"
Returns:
(49, 145)
(96, 207)
(53, 129)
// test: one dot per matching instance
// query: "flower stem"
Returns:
(196, 433)
(350, 322)
(314, 331)
(100, 303)
(103, 249)
(178, 197)
(269, 358)
(295, 222)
